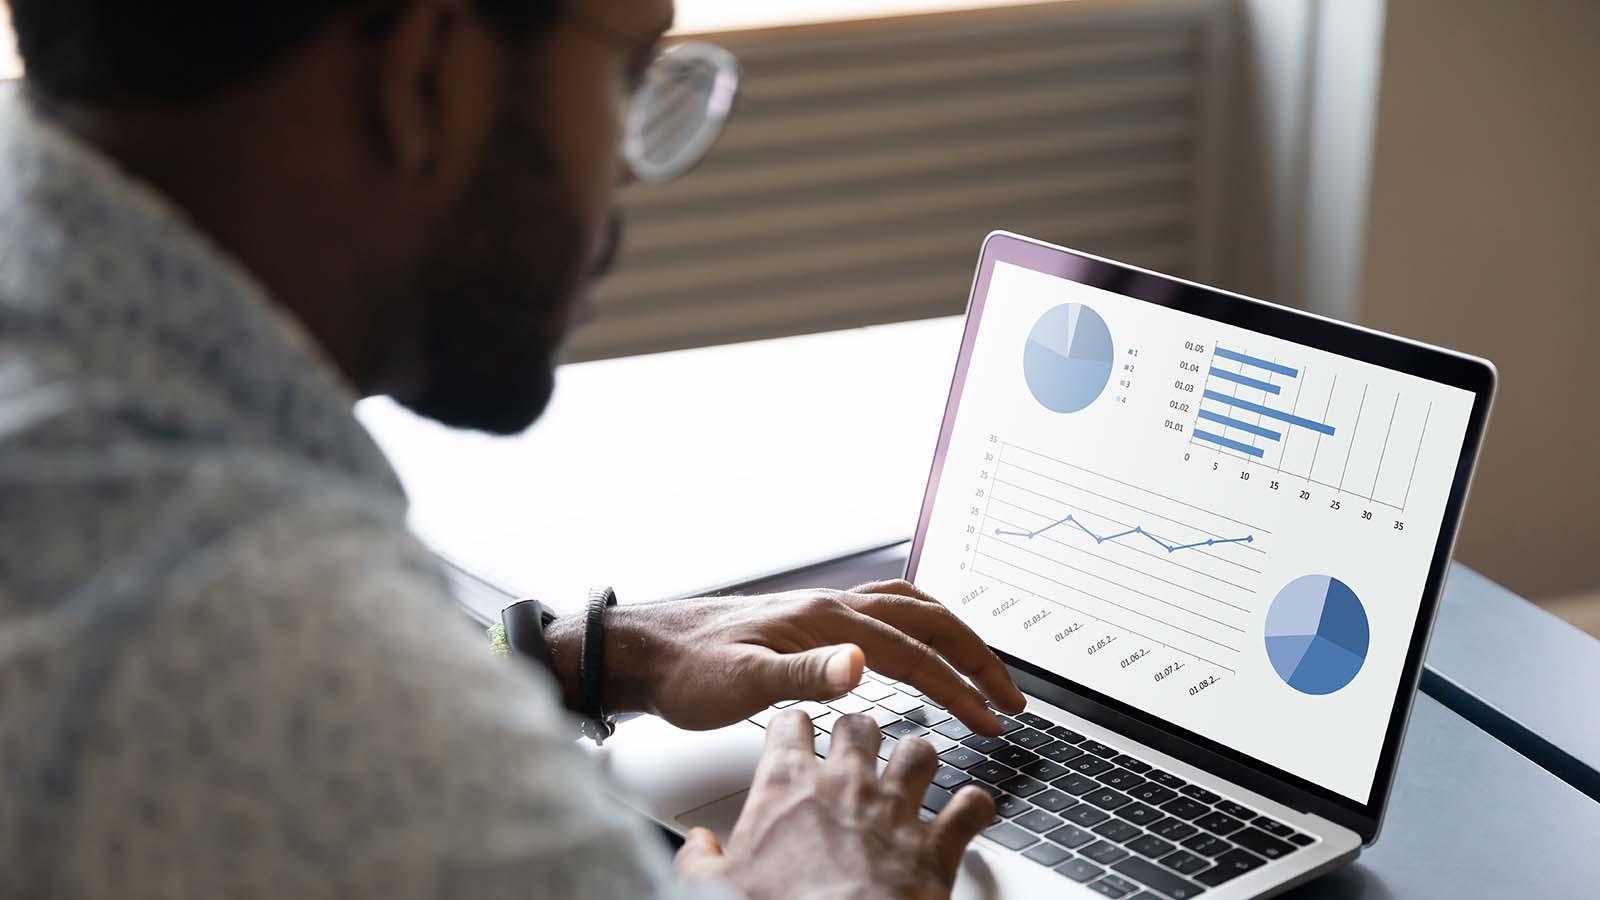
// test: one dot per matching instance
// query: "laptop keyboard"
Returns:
(1086, 810)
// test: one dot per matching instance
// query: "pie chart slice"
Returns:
(1317, 634)
(1068, 358)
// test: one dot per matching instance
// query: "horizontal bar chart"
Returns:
(1257, 362)
(1269, 412)
(1245, 380)
(1230, 443)
(1246, 427)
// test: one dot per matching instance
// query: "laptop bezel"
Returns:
(1446, 367)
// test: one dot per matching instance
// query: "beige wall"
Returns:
(1484, 234)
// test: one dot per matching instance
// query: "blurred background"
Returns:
(1424, 166)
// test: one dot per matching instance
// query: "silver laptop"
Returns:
(1208, 536)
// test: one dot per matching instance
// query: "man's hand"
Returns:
(836, 829)
(711, 662)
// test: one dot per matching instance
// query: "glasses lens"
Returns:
(680, 110)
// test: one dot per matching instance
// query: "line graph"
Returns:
(1163, 571)
(1135, 530)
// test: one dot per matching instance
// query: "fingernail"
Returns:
(844, 669)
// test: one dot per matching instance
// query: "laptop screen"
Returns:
(1228, 531)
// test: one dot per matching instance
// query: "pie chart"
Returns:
(1317, 634)
(1068, 359)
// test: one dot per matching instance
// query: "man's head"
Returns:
(426, 184)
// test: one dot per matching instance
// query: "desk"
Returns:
(1470, 817)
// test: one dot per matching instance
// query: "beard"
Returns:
(495, 295)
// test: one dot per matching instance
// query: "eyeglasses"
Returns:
(679, 110)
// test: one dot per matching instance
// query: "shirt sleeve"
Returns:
(308, 715)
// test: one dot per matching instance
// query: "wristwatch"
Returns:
(524, 624)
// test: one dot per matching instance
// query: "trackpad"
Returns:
(719, 816)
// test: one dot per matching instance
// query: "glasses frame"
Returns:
(644, 159)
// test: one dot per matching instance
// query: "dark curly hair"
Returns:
(183, 49)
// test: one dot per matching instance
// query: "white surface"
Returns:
(674, 473)
(1057, 597)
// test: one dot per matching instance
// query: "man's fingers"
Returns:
(700, 854)
(855, 739)
(970, 812)
(939, 628)
(822, 673)
(901, 656)
(908, 774)
(789, 748)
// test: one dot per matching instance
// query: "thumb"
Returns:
(700, 854)
(819, 674)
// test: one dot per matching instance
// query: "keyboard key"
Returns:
(904, 688)
(989, 789)
(927, 716)
(826, 722)
(903, 729)
(1152, 793)
(1262, 844)
(1007, 805)
(991, 771)
(1037, 821)
(1219, 823)
(955, 730)
(1085, 815)
(1090, 765)
(874, 691)
(1043, 769)
(1237, 810)
(1151, 846)
(849, 705)
(929, 701)
(1173, 830)
(1122, 886)
(1183, 808)
(1184, 863)
(1117, 831)
(1015, 757)
(1229, 866)
(1033, 721)
(821, 743)
(880, 715)
(1273, 827)
(1106, 798)
(1104, 852)
(1099, 749)
(1063, 733)
(1076, 785)
(950, 778)
(872, 675)
(1121, 779)
(1147, 895)
(1165, 779)
(1132, 764)
(1007, 725)
(886, 749)
(1140, 814)
(1207, 845)
(978, 742)
(1046, 854)
(1052, 801)
(1009, 836)
(1030, 738)
(961, 757)
(1080, 870)
(812, 708)
(900, 703)
(1070, 836)
(763, 717)
(1163, 881)
(1196, 792)
(1301, 840)
(1023, 786)
(935, 798)
(1059, 751)
(939, 742)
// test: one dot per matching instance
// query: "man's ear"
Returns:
(435, 91)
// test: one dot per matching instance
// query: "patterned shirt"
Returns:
(226, 668)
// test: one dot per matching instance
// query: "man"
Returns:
(225, 668)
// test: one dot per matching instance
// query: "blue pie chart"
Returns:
(1317, 634)
(1068, 358)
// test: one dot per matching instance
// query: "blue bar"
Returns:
(1271, 413)
(1245, 380)
(1258, 363)
(1221, 441)
(1257, 430)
